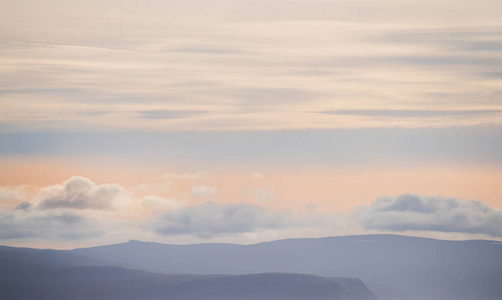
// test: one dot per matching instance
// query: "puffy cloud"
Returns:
(76, 209)
(212, 219)
(409, 212)
(81, 193)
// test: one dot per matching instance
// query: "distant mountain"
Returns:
(30, 274)
(424, 269)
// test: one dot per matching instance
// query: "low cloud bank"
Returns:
(212, 219)
(79, 209)
(409, 212)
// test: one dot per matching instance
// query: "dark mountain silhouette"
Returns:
(424, 269)
(31, 274)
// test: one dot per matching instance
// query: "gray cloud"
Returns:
(80, 193)
(213, 219)
(22, 223)
(409, 212)
(471, 39)
(26, 206)
(400, 113)
(494, 74)
(170, 114)
(7, 91)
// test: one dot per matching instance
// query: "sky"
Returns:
(247, 121)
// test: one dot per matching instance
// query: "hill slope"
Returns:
(30, 274)
(423, 268)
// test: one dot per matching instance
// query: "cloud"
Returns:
(81, 193)
(212, 219)
(257, 175)
(257, 98)
(170, 114)
(470, 39)
(202, 190)
(156, 202)
(12, 193)
(203, 49)
(400, 113)
(265, 195)
(25, 223)
(409, 212)
(77, 209)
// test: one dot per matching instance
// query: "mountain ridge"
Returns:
(424, 268)
(132, 241)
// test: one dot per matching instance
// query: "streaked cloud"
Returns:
(411, 113)
(245, 66)
(170, 114)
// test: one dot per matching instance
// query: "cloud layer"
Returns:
(249, 65)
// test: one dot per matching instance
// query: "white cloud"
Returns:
(409, 212)
(202, 190)
(265, 195)
(161, 203)
(12, 193)
(257, 175)
(81, 193)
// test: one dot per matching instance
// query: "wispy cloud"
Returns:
(247, 67)
(410, 113)
(170, 114)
